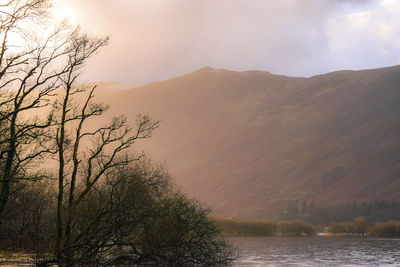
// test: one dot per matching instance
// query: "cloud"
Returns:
(366, 39)
(158, 39)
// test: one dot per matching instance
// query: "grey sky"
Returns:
(158, 39)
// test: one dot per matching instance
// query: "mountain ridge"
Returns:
(246, 143)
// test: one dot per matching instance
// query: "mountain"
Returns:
(247, 143)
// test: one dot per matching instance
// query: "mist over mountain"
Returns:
(247, 143)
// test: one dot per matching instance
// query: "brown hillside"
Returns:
(245, 143)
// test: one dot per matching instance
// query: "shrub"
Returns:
(386, 229)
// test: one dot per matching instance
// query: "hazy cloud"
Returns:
(158, 39)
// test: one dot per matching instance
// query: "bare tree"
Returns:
(109, 143)
(28, 78)
(80, 49)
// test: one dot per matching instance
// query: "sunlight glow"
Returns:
(62, 11)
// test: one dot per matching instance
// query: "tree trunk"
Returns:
(60, 196)
(7, 171)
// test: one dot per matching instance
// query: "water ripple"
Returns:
(317, 251)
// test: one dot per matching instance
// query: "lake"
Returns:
(317, 251)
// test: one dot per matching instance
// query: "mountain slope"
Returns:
(245, 143)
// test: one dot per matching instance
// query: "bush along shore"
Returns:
(244, 227)
(359, 227)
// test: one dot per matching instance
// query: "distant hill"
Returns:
(248, 143)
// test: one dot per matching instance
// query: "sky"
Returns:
(153, 40)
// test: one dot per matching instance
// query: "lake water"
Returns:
(317, 251)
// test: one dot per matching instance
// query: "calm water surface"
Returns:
(317, 251)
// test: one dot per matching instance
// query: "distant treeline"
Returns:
(242, 227)
(361, 227)
(358, 227)
(374, 211)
